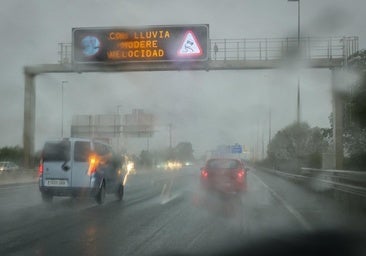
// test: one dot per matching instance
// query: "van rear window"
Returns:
(82, 151)
(56, 151)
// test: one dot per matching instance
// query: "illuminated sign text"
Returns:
(143, 44)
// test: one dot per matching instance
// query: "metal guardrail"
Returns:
(19, 176)
(352, 182)
(262, 49)
(280, 48)
(65, 53)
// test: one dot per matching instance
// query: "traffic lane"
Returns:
(189, 223)
(273, 208)
(22, 204)
(19, 196)
(39, 223)
(200, 223)
(24, 227)
(317, 209)
(258, 208)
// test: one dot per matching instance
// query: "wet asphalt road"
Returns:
(163, 213)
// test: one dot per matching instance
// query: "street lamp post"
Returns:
(298, 46)
(170, 135)
(119, 126)
(62, 107)
(298, 20)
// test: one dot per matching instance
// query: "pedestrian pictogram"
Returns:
(190, 46)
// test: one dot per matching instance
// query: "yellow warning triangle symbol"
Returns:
(190, 46)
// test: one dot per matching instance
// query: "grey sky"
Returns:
(206, 108)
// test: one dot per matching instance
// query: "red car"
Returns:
(224, 175)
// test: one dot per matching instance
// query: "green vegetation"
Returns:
(297, 145)
(13, 154)
(355, 117)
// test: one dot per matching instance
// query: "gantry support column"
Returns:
(338, 103)
(29, 118)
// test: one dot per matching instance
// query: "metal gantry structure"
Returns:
(263, 53)
(224, 54)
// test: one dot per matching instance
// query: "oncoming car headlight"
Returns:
(130, 166)
(172, 165)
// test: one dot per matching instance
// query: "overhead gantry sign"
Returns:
(140, 44)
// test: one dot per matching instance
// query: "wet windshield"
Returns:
(112, 109)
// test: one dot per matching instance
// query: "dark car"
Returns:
(224, 175)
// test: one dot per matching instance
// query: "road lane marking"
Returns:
(198, 237)
(292, 210)
(170, 198)
(163, 190)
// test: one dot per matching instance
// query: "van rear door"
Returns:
(81, 154)
(56, 164)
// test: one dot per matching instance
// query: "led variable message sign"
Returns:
(140, 44)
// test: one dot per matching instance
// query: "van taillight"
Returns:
(40, 168)
(93, 162)
(204, 173)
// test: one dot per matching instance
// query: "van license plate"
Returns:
(56, 183)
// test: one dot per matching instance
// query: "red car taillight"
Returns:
(40, 168)
(240, 174)
(204, 173)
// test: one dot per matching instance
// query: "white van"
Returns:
(76, 166)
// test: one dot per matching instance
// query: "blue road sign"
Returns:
(236, 149)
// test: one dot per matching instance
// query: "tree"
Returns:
(14, 154)
(354, 134)
(354, 142)
(184, 152)
(146, 158)
(295, 146)
(355, 148)
(357, 100)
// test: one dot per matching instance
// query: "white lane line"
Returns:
(292, 210)
(198, 237)
(169, 198)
